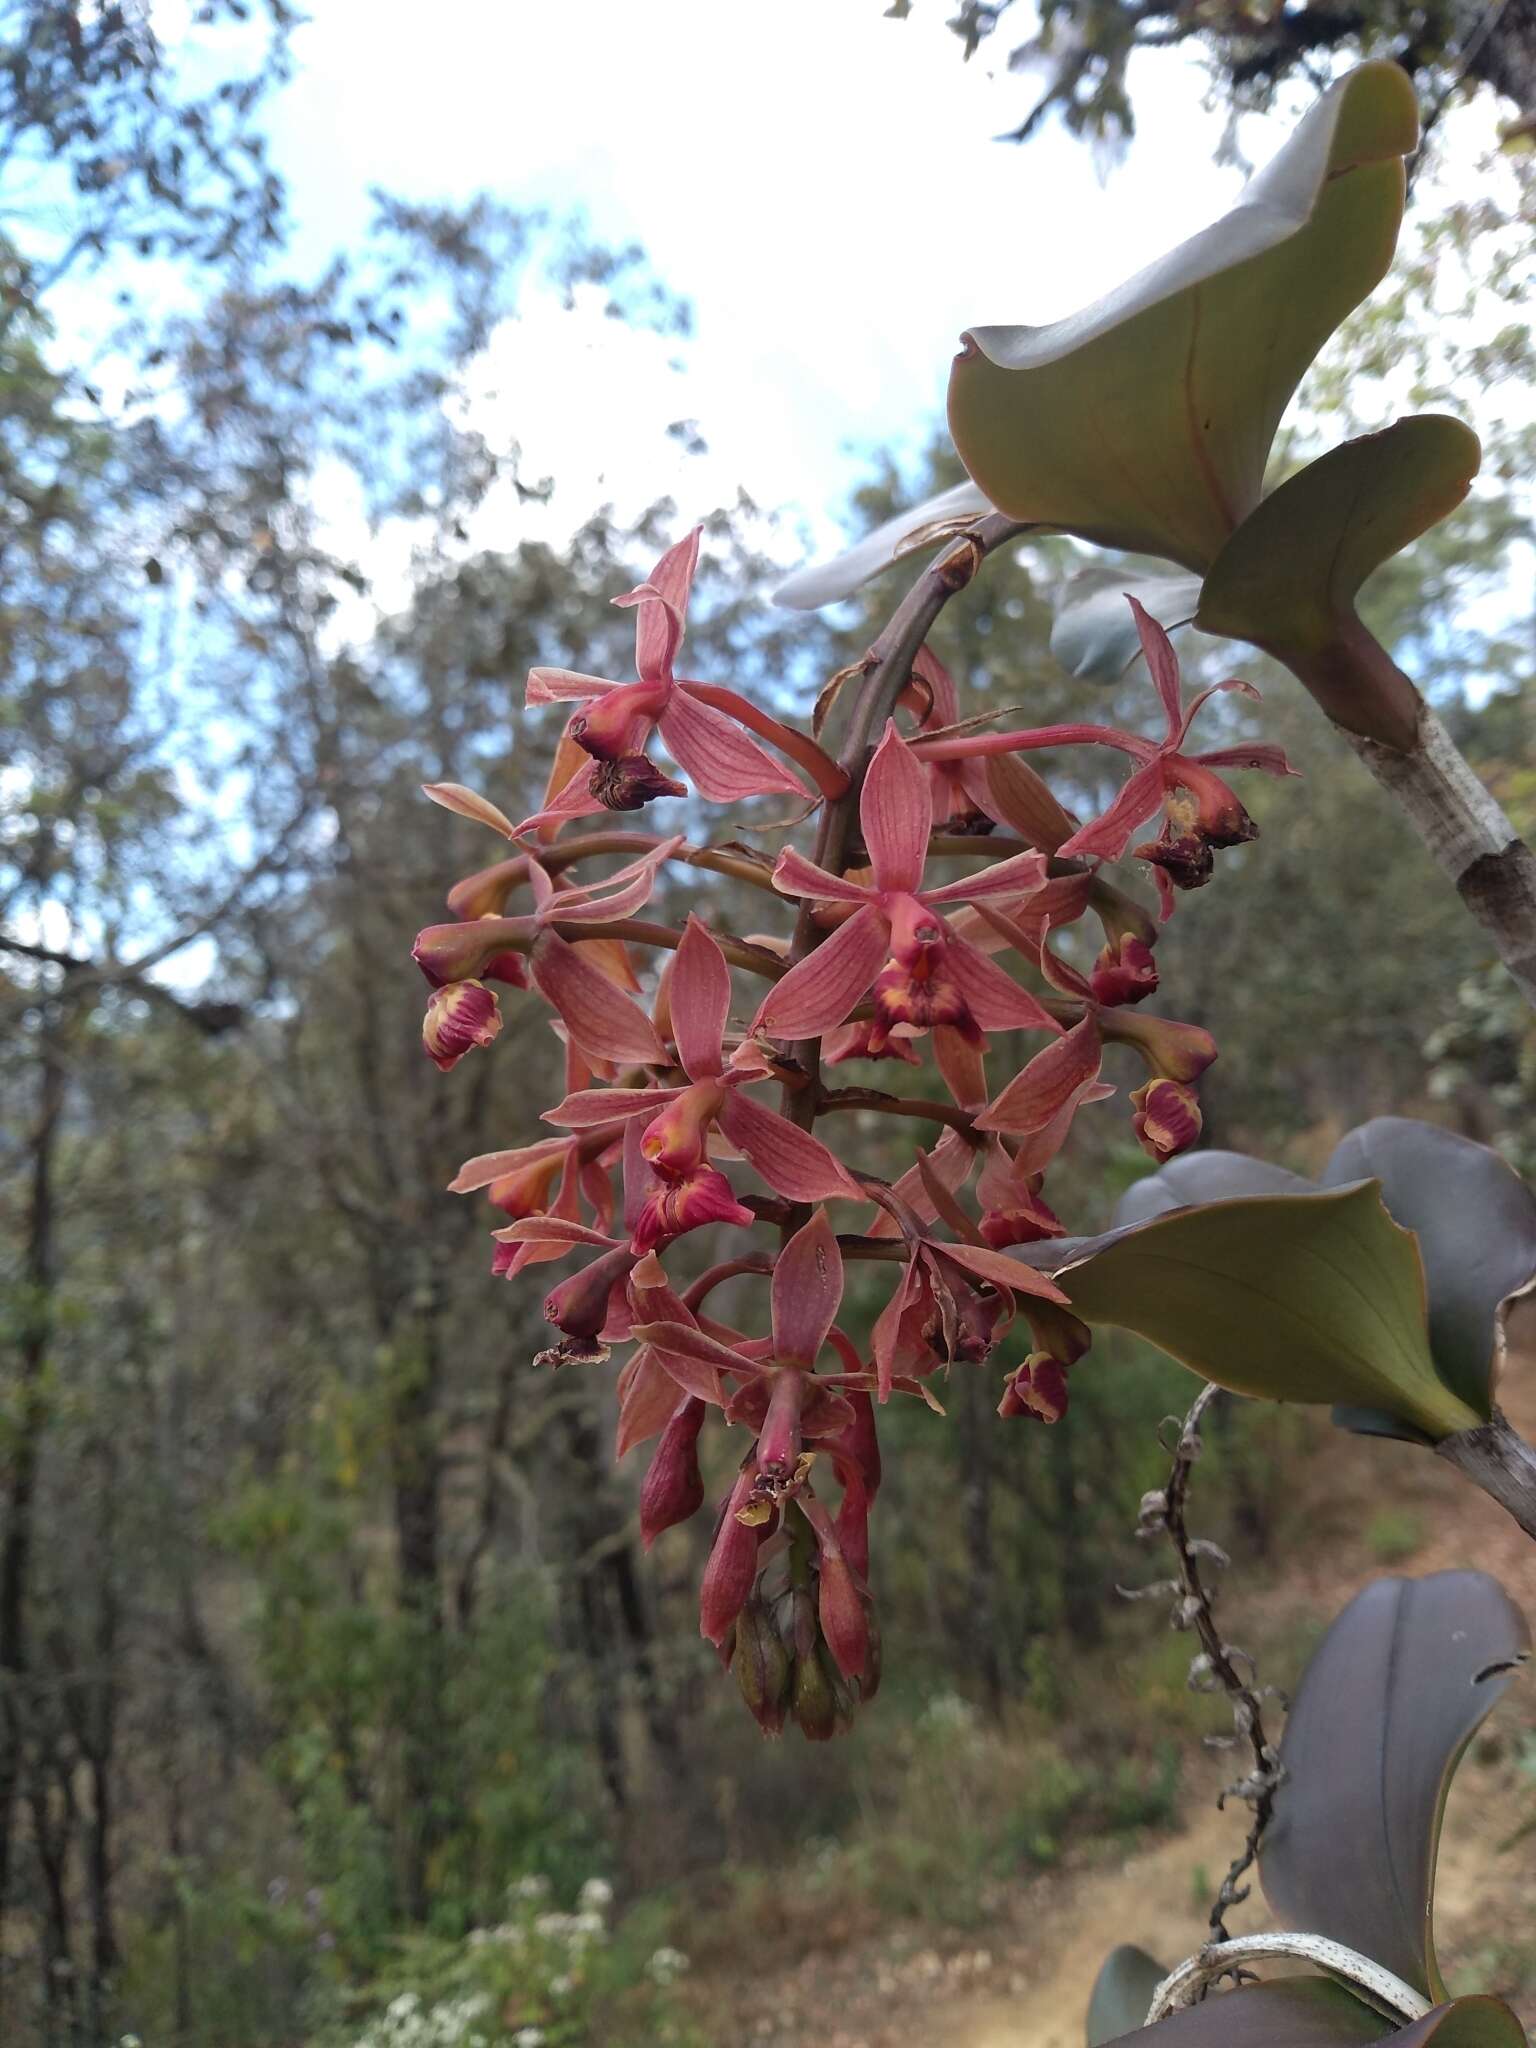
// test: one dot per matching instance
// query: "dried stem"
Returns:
(1165, 1514)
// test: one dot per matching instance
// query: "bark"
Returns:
(1468, 835)
(39, 1271)
(1499, 1460)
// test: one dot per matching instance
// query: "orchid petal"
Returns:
(1020, 876)
(699, 993)
(944, 698)
(719, 759)
(564, 686)
(962, 1065)
(573, 799)
(992, 997)
(807, 1288)
(896, 814)
(1256, 754)
(1162, 663)
(821, 990)
(589, 1107)
(605, 1023)
(485, 1167)
(1040, 1090)
(794, 875)
(616, 895)
(1106, 837)
(468, 803)
(647, 1396)
(1000, 1270)
(1232, 683)
(662, 603)
(694, 1360)
(790, 1160)
(551, 1230)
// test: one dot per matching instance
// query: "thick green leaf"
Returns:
(1094, 634)
(1292, 2012)
(1292, 1297)
(1288, 578)
(1475, 1220)
(1384, 1710)
(1122, 1991)
(1313, 2012)
(1145, 421)
(1205, 1177)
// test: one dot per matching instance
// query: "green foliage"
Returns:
(538, 1977)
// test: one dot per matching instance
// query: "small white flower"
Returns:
(562, 1986)
(528, 2037)
(666, 1965)
(595, 1896)
(532, 1887)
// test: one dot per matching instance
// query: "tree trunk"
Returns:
(30, 1424)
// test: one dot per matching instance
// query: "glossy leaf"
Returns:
(1292, 1297)
(1475, 1220)
(936, 519)
(1293, 2012)
(1205, 1177)
(1122, 1992)
(1094, 635)
(1145, 421)
(1313, 2012)
(1385, 1708)
(1288, 578)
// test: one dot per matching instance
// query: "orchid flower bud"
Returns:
(674, 1486)
(579, 1306)
(760, 1662)
(1124, 972)
(1166, 1117)
(459, 1017)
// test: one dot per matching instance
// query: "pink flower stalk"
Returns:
(1201, 812)
(605, 765)
(897, 940)
(675, 1123)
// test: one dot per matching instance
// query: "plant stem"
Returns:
(1165, 1513)
(1407, 749)
(887, 669)
(1499, 1460)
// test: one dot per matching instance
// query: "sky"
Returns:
(820, 182)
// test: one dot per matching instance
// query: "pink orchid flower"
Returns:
(486, 946)
(923, 973)
(1201, 812)
(602, 763)
(1039, 1103)
(550, 1178)
(673, 1124)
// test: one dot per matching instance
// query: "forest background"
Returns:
(332, 1676)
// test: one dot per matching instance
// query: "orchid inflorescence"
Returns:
(661, 1099)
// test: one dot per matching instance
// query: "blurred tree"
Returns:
(1080, 51)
